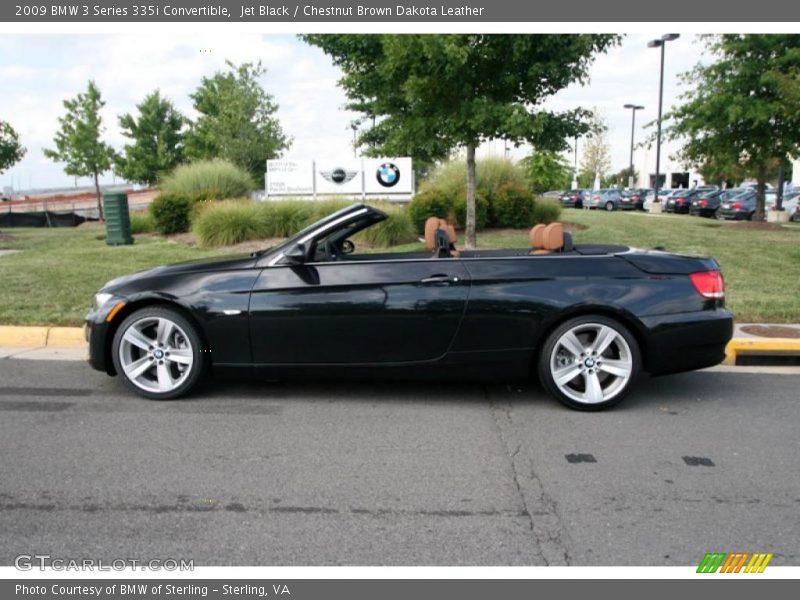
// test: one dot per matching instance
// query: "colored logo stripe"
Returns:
(734, 562)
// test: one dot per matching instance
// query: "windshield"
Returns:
(306, 230)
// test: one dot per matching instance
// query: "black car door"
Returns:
(357, 311)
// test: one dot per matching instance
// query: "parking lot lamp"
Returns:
(634, 108)
(660, 43)
(575, 167)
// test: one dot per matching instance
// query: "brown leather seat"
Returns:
(431, 225)
(552, 239)
(536, 236)
(451, 235)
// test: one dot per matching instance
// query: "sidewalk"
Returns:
(67, 343)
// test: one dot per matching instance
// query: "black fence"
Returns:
(45, 218)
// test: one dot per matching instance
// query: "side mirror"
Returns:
(296, 255)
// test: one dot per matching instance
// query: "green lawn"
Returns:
(51, 281)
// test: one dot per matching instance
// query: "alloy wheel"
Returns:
(156, 355)
(591, 363)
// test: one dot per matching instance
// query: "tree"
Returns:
(11, 151)
(432, 94)
(237, 120)
(596, 159)
(157, 140)
(78, 142)
(744, 109)
(546, 170)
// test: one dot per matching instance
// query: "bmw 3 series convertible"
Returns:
(585, 319)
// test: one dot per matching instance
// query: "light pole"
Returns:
(354, 127)
(634, 108)
(575, 167)
(660, 43)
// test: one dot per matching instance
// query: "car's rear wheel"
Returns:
(589, 362)
(158, 353)
(609, 206)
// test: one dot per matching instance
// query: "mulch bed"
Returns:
(772, 331)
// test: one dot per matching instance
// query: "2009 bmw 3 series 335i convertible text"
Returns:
(585, 319)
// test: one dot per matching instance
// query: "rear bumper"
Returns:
(729, 215)
(702, 212)
(686, 341)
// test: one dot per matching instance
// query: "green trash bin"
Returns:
(118, 219)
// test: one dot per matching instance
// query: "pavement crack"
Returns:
(544, 521)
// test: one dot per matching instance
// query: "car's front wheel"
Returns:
(158, 353)
(609, 206)
(589, 362)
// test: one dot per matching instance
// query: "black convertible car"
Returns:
(585, 318)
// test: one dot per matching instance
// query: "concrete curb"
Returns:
(41, 337)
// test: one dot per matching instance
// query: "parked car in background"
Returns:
(607, 199)
(681, 201)
(737, 204)
(790, 203)
(553, 194)
(574, 198)
(633, 199)
(705, 204)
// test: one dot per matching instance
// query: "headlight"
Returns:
(100, 299)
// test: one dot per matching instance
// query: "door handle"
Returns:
(439, 279)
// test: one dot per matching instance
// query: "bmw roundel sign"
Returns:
(388, 174)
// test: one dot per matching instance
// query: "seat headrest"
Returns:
(553, 237)
(431, 225)
(536, 236)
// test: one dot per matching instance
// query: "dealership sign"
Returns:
(357, 177)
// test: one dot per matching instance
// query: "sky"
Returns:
(37, 72)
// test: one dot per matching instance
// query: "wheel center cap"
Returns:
(158, 353)
(589, 362)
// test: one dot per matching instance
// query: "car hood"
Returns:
(226, 263)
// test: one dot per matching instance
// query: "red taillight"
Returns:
(634, 197)
(680, 200)
(574, 197)
(736, 206)
(702, 203)
(709, 284)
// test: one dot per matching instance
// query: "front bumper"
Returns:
(686, 341)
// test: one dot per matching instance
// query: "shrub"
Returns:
(449, 181)
(142, 222)
(397, 229)
(208, 180)
(283, 218)
(513, 206)
(546, 211)
(481, 211)
(229, 222)
(430, 202)
(171, 213)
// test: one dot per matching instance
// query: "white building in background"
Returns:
(673, 173)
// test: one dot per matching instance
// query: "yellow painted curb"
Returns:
(65, 337)
(23, 337)
(739, 346)
(39, 337)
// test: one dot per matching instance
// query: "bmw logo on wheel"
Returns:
(388, 174)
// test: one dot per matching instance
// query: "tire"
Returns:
(157, 336)
(609, 206)
(590, 388)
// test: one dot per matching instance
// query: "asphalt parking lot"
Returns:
(376, 474)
